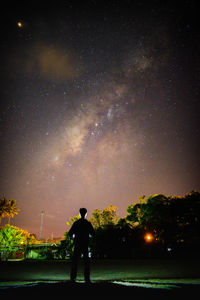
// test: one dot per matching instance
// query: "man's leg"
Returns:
(73, 272)
(86, 264)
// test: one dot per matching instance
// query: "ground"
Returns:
(164, 278)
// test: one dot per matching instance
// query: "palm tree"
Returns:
(8, 208)
(11, 209)
(3, 204)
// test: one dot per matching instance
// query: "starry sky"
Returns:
(99, 104)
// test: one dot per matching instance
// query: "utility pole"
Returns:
(41, 223)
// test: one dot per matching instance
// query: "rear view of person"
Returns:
(81, 230)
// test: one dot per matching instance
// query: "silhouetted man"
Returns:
(80, 231)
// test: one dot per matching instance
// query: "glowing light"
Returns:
(19, 24)
(148, 237)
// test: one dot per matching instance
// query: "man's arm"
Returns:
(72, 230)
(92, 232)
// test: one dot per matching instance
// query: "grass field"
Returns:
(141, 277)
(101, 269)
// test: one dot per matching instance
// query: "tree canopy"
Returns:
(8, 208)
(170, 218)
(104, 217)
(12, 237)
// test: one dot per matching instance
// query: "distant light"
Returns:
(19, 24)
(148, 237)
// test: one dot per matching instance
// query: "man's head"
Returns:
(83, 212)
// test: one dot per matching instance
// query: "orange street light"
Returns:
(148, 237)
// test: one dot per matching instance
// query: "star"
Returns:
(53, 178)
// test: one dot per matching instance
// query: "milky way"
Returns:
(99, 106)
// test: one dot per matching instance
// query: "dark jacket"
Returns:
(82, 229)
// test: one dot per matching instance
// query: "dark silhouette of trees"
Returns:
(173, 221)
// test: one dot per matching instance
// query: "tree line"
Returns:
(169, 223)
(172, 223)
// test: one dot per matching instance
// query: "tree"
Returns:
(8, 208)
(152, 214)
(11, 209)
(3, 203)
(72, 220)
(171, 219)
(109, 238)
(96, 218)
(109, 215)
(185, 212)
(104, 218)
(12, 238)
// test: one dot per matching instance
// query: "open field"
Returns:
(139, 277)
(101, 269)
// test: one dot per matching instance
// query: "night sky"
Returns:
(99, 105)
